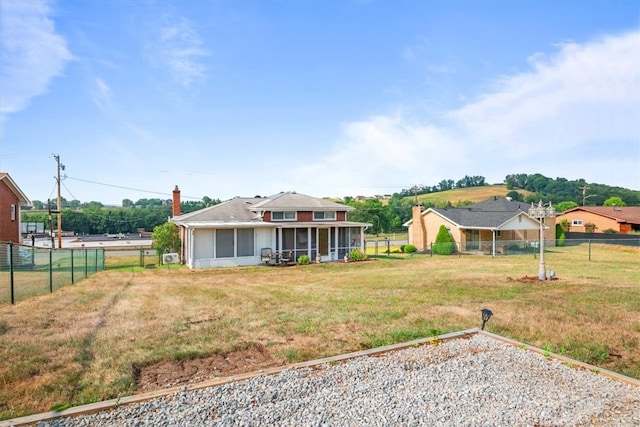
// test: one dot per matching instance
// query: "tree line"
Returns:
(94, 218)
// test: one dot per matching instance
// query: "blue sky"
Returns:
(326, 98)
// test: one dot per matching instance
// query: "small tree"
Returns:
(614, 201)
(166, 238)
(444, 245)
(560, 235)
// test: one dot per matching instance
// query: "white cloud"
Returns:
(576, 114)
(31, 53)
(179, 48)
(102, 95)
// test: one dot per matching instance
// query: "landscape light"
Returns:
(486, 315)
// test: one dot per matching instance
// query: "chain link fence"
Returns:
(27, 271)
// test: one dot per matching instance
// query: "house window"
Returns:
(13, 212)
(499, 234)
(324, 216)
(245, 242)
(224, 243)
(576, 223)
(283, 216)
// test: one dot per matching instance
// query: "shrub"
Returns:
(444, 245)
(610, 231)
(409, 249)
(304, 259)
(560, 235)
(357, 255)
(590, 227)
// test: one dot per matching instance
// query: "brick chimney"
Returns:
(418, 230)
(176, 201)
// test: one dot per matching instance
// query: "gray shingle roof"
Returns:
(487, 214)
(234, 210)
(297, 202)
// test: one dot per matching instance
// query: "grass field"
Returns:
(86, 342)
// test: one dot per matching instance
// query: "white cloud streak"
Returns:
(32, 54)
(576, 114)
(179, 48)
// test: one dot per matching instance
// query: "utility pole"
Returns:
(60, 166)
(584, 195)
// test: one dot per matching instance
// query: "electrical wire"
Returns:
(129, 188)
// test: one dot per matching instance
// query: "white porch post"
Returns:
(493, 243)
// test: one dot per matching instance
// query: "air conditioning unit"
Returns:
(170, 258)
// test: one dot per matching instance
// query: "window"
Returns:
(13, 212)
(324, 216)
(576, 223)
(499, 234)
(283, 216)
(224, 243)
(245, 242)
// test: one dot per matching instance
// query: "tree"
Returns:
(565, 206)
(444, 245)
(614, 201)
(166, 238)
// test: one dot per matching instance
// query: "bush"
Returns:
(357, 255)
(444, 245)
(409, 249)
(560, 235)
(610, 231)
(304, 259)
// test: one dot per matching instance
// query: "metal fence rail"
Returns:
(27, 271)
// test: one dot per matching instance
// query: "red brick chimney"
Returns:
(176, 201)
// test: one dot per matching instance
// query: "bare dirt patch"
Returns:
(190, 371)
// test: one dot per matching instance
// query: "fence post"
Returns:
(51, 270)
(86, 264)
(72, 282)
(589, 249)
(13, 296)
(141, 257)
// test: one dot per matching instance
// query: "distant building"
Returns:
(11, 198)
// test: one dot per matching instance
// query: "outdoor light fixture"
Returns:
(486, 315)
(540, 212)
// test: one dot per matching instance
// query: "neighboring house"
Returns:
(238, 231)
(620, 219)
(11, 198)
(488, 226)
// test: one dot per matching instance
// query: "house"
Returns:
(622, 220)
(489, 226)
(241, 230)
(11, 198)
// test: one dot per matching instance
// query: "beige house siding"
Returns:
(602, 223)
(433, 222)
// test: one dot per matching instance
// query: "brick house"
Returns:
(240, 231)
(11, 198)
(622, 220)
(486, 226)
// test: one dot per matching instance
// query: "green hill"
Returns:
(461, 195)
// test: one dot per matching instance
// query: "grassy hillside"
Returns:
(473, 194)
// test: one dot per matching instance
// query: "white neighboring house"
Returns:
(241, 230)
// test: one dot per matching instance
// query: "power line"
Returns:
(129, 188)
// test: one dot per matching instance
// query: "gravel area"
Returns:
(476, 381)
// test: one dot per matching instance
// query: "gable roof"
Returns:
(489, 214)
(248, 210)
(628, 214)
(293, 201)
(234, 210)
(13, 187)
